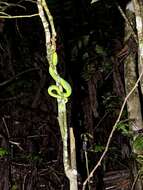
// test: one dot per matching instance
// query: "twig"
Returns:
(135, 180)
(36, 136)
(17, 76)
(24, 181)
(87, 168)
(19, 16)
(100, 121)
(20, 164)
(31, 1)
(17, 144)
(7, 131)
(12, 98)
(8, 134)
(112, 131)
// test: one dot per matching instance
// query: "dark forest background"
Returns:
(90, 38)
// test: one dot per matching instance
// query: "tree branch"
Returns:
(18, 16)
(17, 76)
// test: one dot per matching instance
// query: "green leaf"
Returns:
(100, 50)
(97, 148)
(124, 128)
(3, 152)
(139, 159)
(138, 143)
(14, 187)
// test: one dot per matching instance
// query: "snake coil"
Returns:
(63, 89)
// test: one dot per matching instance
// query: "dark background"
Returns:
(89, 37)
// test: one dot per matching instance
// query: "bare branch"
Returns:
(17, 144)
(17, 76)
(19, 16)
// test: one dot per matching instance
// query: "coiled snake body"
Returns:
(56, 91)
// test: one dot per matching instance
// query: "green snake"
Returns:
(56, 91)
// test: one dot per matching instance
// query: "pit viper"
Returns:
(63, 89)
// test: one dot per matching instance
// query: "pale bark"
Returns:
(133, 103)
(138, 8)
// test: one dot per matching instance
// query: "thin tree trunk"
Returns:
(138, 7)
(133, 103)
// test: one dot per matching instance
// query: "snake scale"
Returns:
(63, 89)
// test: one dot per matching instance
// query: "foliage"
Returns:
(97, 148)
(34, 158)
(14, 187)
(124, 128)
(139, 159)
(110, 102)
(100, 50)
(3, 152)
(88, 72)
(138, 144)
